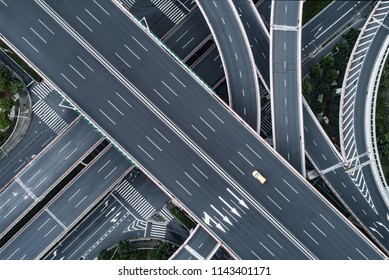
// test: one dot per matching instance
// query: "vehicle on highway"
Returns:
(257, 175)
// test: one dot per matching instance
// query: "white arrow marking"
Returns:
(241, 201)
(207, 219)
(219, 226)
(105, 206)
(318, 31)
(373, 229)
(112, 209)
(233, 210)
(114, 219)
(225, 218)
(382, 225)
(54, 254)
(387, 216)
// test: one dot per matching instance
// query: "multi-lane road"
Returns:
(317, 231)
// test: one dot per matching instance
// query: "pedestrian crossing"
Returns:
(166, 214)
(128, 3)
(41, 90)
(135, 199)
(158, 230)
(169, 9)
(48, 116)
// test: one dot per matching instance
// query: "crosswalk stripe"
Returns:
(48, 116)
(169, 9)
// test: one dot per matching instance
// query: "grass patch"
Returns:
(21, 62)
(312, 8)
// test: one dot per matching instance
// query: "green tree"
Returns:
(323, 88)
(351, 36)
(384, 145)
(306, 87)
(327, 62)
(162, 252)
(6, 103)
(4, 121)
(317, 107)
(316, 71)
(331, 75)
(15, 86)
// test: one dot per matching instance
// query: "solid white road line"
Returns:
(70, 198)
(50, 231)
(274, 202)
(46, 27)
(30, 44)
(90, 29)
(310, 237)
(290, 186)
(104, 166)
(85, 63)
(163, 98)
(192, 179)
(267, 249)
(129, 66)
(162, 135)
(146, 152)
(128, 48)
(154, 144)
(115, 108)
(208, 124)
(75, 70)
(169, 88)
(10, 212)
(64, 147)
(71, 153)
(178, 80)
(197, 170)
(254, 151)
(67, 79)
(107, 116)
(245, 158)
(80, 201)
(326, 221)
(237, 167)
(199, 132)
(216, 116)
(183, 187)
(125, 101)
(140, 44)
(36, 33)
(34, 175)
(282, 195)
(43, 224)
(318, 229)
(109, 174)
(92, 16)
(40, 183)
(275, 241)
(101, 7)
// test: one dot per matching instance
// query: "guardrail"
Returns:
(348, 98)
(370, 132)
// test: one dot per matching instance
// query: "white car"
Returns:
(257, 175)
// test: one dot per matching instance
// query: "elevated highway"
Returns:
(183, 175)
(285, 82)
